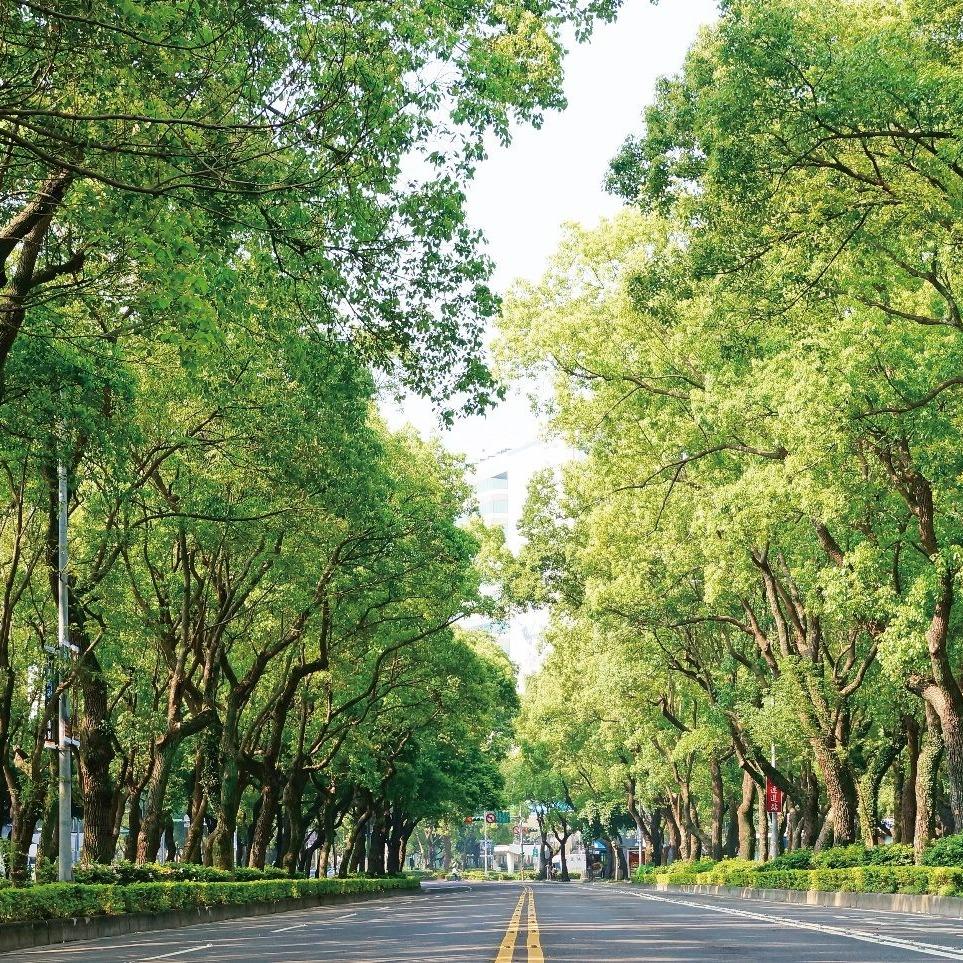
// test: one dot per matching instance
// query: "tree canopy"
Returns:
(757, 363)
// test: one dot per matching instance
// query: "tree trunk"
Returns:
(826, 832)
(907, 803)
(395, 842)
(292, 804)
(927, 770)
(810, 814)
(718, 807)
(28, 794)
(133, 824)
(95, 758)
(840, 789)
(376, 844)
(353, 844)
(868, 789)
(218, 762)
(675, 835)
(747, 832)
(899, 777)
(655, 828)
(563, 859)
(949, 707)
(195, 832)
(170, 847)
(732, 829)
(48, 845)
(152, 819)
(264, 825)
(621, 866)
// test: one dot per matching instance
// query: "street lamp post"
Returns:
(64, 802)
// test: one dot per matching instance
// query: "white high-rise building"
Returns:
(501, 485)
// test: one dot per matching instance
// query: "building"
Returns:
(501, 483)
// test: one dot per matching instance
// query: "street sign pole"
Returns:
(774, 817)
(64, 801)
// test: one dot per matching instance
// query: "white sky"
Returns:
(525, 192)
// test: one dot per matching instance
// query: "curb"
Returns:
(950, 906)
(21, 936)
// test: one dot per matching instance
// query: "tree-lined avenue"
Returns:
(588, 922)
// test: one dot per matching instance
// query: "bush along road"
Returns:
(49, 913)
(854, 869)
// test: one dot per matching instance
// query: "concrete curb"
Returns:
(21, 936)
(951, 906)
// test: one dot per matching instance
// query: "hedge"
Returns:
(854, 868)
(67, 900)
(944, 881)
(935, 880)
(126, 872)
(495, 875)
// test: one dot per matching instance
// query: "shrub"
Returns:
(90, 873)
(947, 851)
(793, 859)
(646, 874)
(683, 872)
(71, 900)
(840, 857)
(896, 854)
(782, 879)
(124, 873)
(856, 879)
(729, 872)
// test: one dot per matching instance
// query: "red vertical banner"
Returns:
(773, 797)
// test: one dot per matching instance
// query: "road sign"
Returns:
(773, 797)
(490, 818)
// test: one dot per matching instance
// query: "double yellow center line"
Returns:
(506, 952)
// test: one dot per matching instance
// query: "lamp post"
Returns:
(65, 869)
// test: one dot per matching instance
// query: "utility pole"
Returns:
(760, 814)
(65, 870)
(773, 816)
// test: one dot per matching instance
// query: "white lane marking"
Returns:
(927, 949)
(165, 956)
(297, 926)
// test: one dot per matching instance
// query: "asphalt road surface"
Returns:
(554, 922)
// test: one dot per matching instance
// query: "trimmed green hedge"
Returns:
(125, 872)
(67, 900)
(856, 869)
(495, 875)
(893, 878)
(943, 881)
(680, 872)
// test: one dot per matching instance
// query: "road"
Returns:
(511, 923)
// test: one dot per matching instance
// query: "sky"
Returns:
(524, 193)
